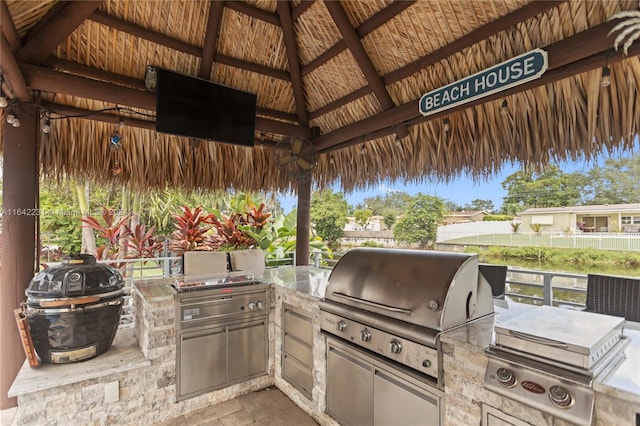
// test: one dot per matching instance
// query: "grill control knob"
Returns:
(560, 396)
(341, 326)
(251, 306)
(365, 335)
(259, 304)
(395, 347)
(506, 377)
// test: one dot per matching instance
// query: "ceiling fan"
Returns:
(296, 157)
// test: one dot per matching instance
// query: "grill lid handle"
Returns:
(537, 339)
(374, 304)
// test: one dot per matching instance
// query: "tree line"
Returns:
(413, 218)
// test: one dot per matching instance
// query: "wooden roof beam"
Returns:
(576, 51)
(211, 38)
(352, 39)
(93, 73)
(301, 8)
(8, 28)
(45, 80)
(44, 41)
(490, 29)
(367, 27)
(288, 34)
(181, 46)
(482, 33)
(11, 74)
(254, 12)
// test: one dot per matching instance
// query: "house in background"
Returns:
(375, 223)
(465, 216)
(598, 218)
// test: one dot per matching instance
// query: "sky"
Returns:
(462, 190)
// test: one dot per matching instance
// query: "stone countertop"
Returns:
(623, 382)
(124, 355)
(306, 280)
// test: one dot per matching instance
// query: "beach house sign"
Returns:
(515, 71)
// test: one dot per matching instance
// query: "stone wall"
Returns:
(147, 395)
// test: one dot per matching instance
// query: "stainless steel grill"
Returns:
(383, 313)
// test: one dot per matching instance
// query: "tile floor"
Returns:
(267, 407)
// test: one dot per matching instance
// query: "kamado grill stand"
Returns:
(73, 309)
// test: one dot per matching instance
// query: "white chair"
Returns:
(251, 260)
(204, 262)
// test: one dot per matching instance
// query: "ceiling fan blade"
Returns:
(304, 163)
(286, 159)
(296, 146)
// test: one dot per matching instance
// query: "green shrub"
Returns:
(371, 244)
(497, 218)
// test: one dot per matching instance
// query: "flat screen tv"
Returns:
(193, 107)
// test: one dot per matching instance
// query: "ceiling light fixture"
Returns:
(363, 148)
(331, 160)
(606, 76)
(446, 126)
(504, 110)
(3, 101)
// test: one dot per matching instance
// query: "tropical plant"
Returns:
(191, 228)
(110, 231)
(515, 226)
(142, 243)
(537, 227)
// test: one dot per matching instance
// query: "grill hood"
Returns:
(437, 290)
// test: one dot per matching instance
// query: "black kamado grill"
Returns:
(73, 309)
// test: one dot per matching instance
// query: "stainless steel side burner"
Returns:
(549, 357)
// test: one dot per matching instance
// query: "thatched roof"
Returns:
(352, 69)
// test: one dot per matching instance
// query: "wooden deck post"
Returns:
(303, 221)
(19, 217)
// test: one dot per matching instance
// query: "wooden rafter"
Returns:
(301, 8)
(11, 74)
(181, 46)
(482, 33)
(8, 28)
(43, 42)
(367, 27)
(352, 40)
(39, 78)
(211, 38)
(492, 28)
(288, 34)
(576, 49)
(254, 12)
(93, 73)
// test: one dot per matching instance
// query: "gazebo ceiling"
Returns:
(345, 75)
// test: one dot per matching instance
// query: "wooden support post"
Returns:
(19, 216)
(303, 221)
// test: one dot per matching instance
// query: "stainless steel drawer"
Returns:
(298, 350)
(297, 374)
(298, 325)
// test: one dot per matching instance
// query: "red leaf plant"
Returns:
(112, 230)
(191, 231)
(142, 243)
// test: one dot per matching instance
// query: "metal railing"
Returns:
(523, 285)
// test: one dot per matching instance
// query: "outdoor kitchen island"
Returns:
(148, 392)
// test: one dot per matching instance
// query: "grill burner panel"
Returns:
(212, 281)
(548, 358)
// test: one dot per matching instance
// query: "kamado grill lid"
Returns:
(78, 275)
